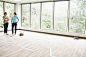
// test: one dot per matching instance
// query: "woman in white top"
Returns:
(6, 19)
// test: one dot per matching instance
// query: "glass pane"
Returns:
(1, 14)
(35, 15)
(9, 8)
(60, 16)
(25, 15)
(47, 15)
(77, 16)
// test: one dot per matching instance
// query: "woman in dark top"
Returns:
(6, 19)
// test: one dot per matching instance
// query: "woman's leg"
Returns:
(4, 28)
(15, 27)
(12, 27)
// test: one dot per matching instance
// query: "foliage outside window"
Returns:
(1, 15)
(25, 15)
(60, 16)
(77, 16)
(47, 15)
(35, 15)
(9, 8)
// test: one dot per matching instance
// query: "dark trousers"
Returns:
(14, 24)
(5, 27)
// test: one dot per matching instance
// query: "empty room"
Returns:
(42, 28)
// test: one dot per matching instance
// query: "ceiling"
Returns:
(24, 1)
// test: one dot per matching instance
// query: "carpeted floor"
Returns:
(40, 45)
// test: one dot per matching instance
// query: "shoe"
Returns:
(76, 38)
(7, 34)
(11, 35)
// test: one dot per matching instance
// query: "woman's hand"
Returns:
(16, 22)
(11, 21)
(7, 19)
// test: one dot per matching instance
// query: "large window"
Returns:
(77, 16)
(68, 15)
(60, 16)
(35, 15)
(9, 8)
(47, 15)
(1, 14)
(25, 15)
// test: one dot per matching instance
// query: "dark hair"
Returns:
(5, 13)
(15, 13)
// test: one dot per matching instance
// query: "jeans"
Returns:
(14, 24)
(5, 27)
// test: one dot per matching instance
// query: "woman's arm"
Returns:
(6, 19)
(17, 21)
(11, 21)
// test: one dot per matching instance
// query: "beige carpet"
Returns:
(41, 45)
